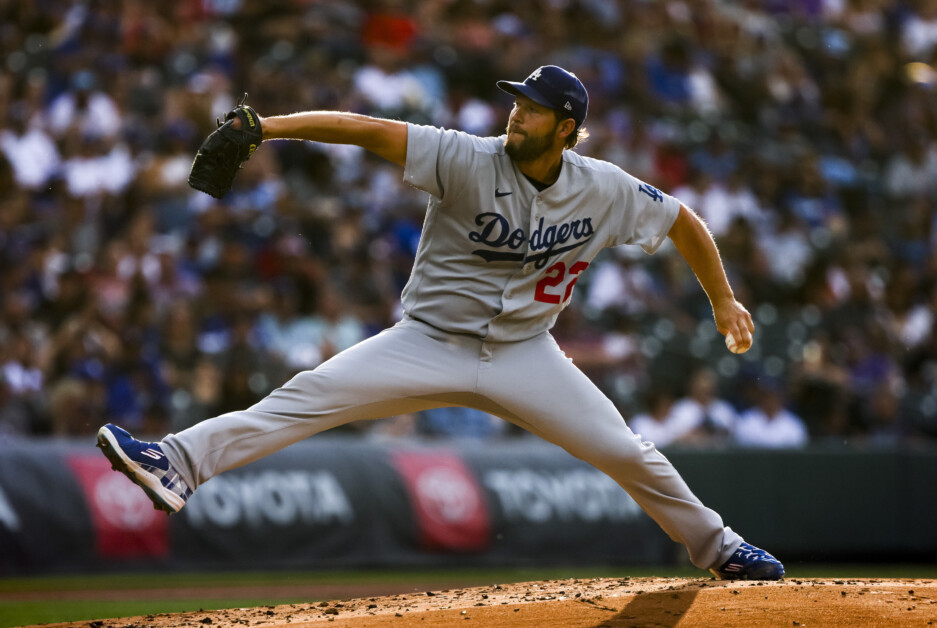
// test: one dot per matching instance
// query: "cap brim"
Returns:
(522, 89)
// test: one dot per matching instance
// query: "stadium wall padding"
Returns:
(341, 502)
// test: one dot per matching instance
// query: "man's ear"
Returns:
(565, 128)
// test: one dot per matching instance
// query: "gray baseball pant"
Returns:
(414, 366)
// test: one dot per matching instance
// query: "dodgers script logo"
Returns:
(545, 242)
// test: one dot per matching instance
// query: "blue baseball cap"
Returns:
(555, 88)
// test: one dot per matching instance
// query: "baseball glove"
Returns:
(224, 152)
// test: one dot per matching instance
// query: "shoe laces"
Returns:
(752, 553)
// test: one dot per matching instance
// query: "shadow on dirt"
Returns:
(655, 609)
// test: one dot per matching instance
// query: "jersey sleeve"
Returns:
(439, 161)
(647, 214)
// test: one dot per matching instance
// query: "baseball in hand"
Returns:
(731, 345)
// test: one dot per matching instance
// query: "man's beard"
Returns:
(530, 147)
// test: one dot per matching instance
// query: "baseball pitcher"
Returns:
(512, 222)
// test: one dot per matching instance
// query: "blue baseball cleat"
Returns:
(750, 563)
(146, 466)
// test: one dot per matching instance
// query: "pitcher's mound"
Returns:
(606, 602)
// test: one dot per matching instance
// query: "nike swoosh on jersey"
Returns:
(500, 194)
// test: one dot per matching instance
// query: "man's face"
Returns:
(531, 130)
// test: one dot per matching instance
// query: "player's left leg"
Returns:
(535, 386)
(404, 369)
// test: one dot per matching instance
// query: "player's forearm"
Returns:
(695, 243)
(318, 126)
(386, 138)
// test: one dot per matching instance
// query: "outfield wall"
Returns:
(340, 502)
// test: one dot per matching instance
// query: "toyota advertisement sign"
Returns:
(328, 501)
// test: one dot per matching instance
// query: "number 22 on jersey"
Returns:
(554, 277)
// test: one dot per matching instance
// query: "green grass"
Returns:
(45, 612)
(183, 580)
(94, 604)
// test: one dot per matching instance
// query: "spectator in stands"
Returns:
(621, 282)
(820, 391)
(16, 418)
(85, 110)
(29, 149)
(912, 171)
(704, 418)
(288, 334)
(887, 423)
(334, 327)
(919, 30)
(769, 424)
(657, 423)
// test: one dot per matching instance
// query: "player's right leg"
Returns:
(401, 370)
(534, 385)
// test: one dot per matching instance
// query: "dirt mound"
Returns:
(605, 603)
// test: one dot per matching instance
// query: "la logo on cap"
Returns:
(534, 75)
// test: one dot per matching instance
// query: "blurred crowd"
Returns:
(803, 131)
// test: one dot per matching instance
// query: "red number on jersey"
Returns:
(574, 271)
(553, 277)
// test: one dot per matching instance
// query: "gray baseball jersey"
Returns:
(497, 258)
(496, 264)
